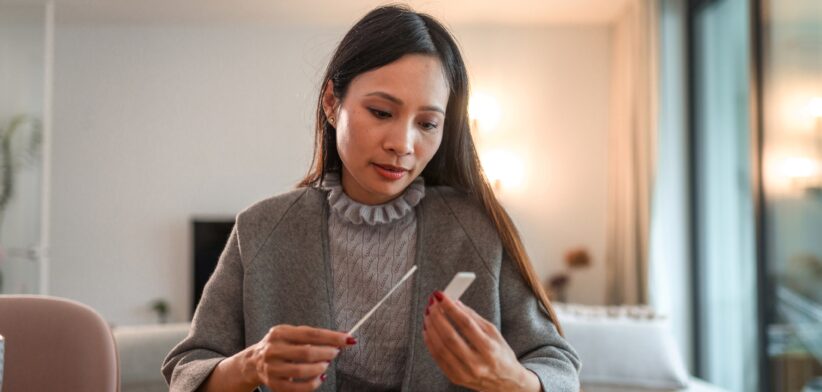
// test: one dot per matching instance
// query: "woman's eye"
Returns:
(379, 113)
(428, 125)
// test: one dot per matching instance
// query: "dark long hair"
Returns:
(381, 37)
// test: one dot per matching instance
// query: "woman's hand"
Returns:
(294, 358)
(470, 350)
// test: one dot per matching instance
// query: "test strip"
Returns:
(459, 284)
(370, 312)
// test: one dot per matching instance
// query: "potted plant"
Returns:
(575, 258)
(161, 307)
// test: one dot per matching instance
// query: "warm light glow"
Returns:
(799, 167)
(485, 110)
(503, 169)
(787, 169)
(814, 107)
(793, 108)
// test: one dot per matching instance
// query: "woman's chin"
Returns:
(387, 193)
(383, 191)
(375, 189)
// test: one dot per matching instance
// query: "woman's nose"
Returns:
(400, 139)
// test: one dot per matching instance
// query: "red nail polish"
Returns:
(430, 301)
(426, 311)
(351, 341)
(438, 295)
(322, 377)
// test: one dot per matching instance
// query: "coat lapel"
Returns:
(440, 253)
(290, 275)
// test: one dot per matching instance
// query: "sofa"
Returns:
(626, 348)
(622, 349)
(141, 350)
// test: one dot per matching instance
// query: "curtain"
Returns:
(631, 149)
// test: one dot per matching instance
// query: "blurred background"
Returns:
(657, 153)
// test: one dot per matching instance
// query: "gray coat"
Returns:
(275, 270)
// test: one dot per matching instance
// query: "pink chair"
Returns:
(56, 344)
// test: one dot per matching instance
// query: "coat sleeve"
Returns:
(532, 335)
(217, 329)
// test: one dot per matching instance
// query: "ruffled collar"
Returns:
(359, 213)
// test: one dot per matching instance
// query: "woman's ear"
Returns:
(330, 102)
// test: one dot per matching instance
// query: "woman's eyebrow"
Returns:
(398, 101)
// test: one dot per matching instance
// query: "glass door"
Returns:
(792, 180)
(24, 96)
(723, 183)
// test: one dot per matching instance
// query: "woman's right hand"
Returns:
(295, 358)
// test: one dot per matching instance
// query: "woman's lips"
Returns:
(390, 172)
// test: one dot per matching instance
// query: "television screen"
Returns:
(210, 238)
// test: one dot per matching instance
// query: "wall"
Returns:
(552, 84)
(154, 124)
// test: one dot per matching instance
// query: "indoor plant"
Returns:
(575, 258)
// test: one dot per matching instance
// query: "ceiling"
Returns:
(330, 12)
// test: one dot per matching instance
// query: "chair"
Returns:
(56, 344)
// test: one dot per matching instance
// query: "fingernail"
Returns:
(328, 362)
(426, 311)
(438, 295)
(322, 377)
(351, 341)
(430, 301)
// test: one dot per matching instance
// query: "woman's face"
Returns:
(389, 125)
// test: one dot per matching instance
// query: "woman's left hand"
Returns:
(470, 350)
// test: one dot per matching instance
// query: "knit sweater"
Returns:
(372, 246)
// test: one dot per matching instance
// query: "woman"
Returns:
(395, 182)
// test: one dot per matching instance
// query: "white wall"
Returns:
(552, 84)
(154, 124)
